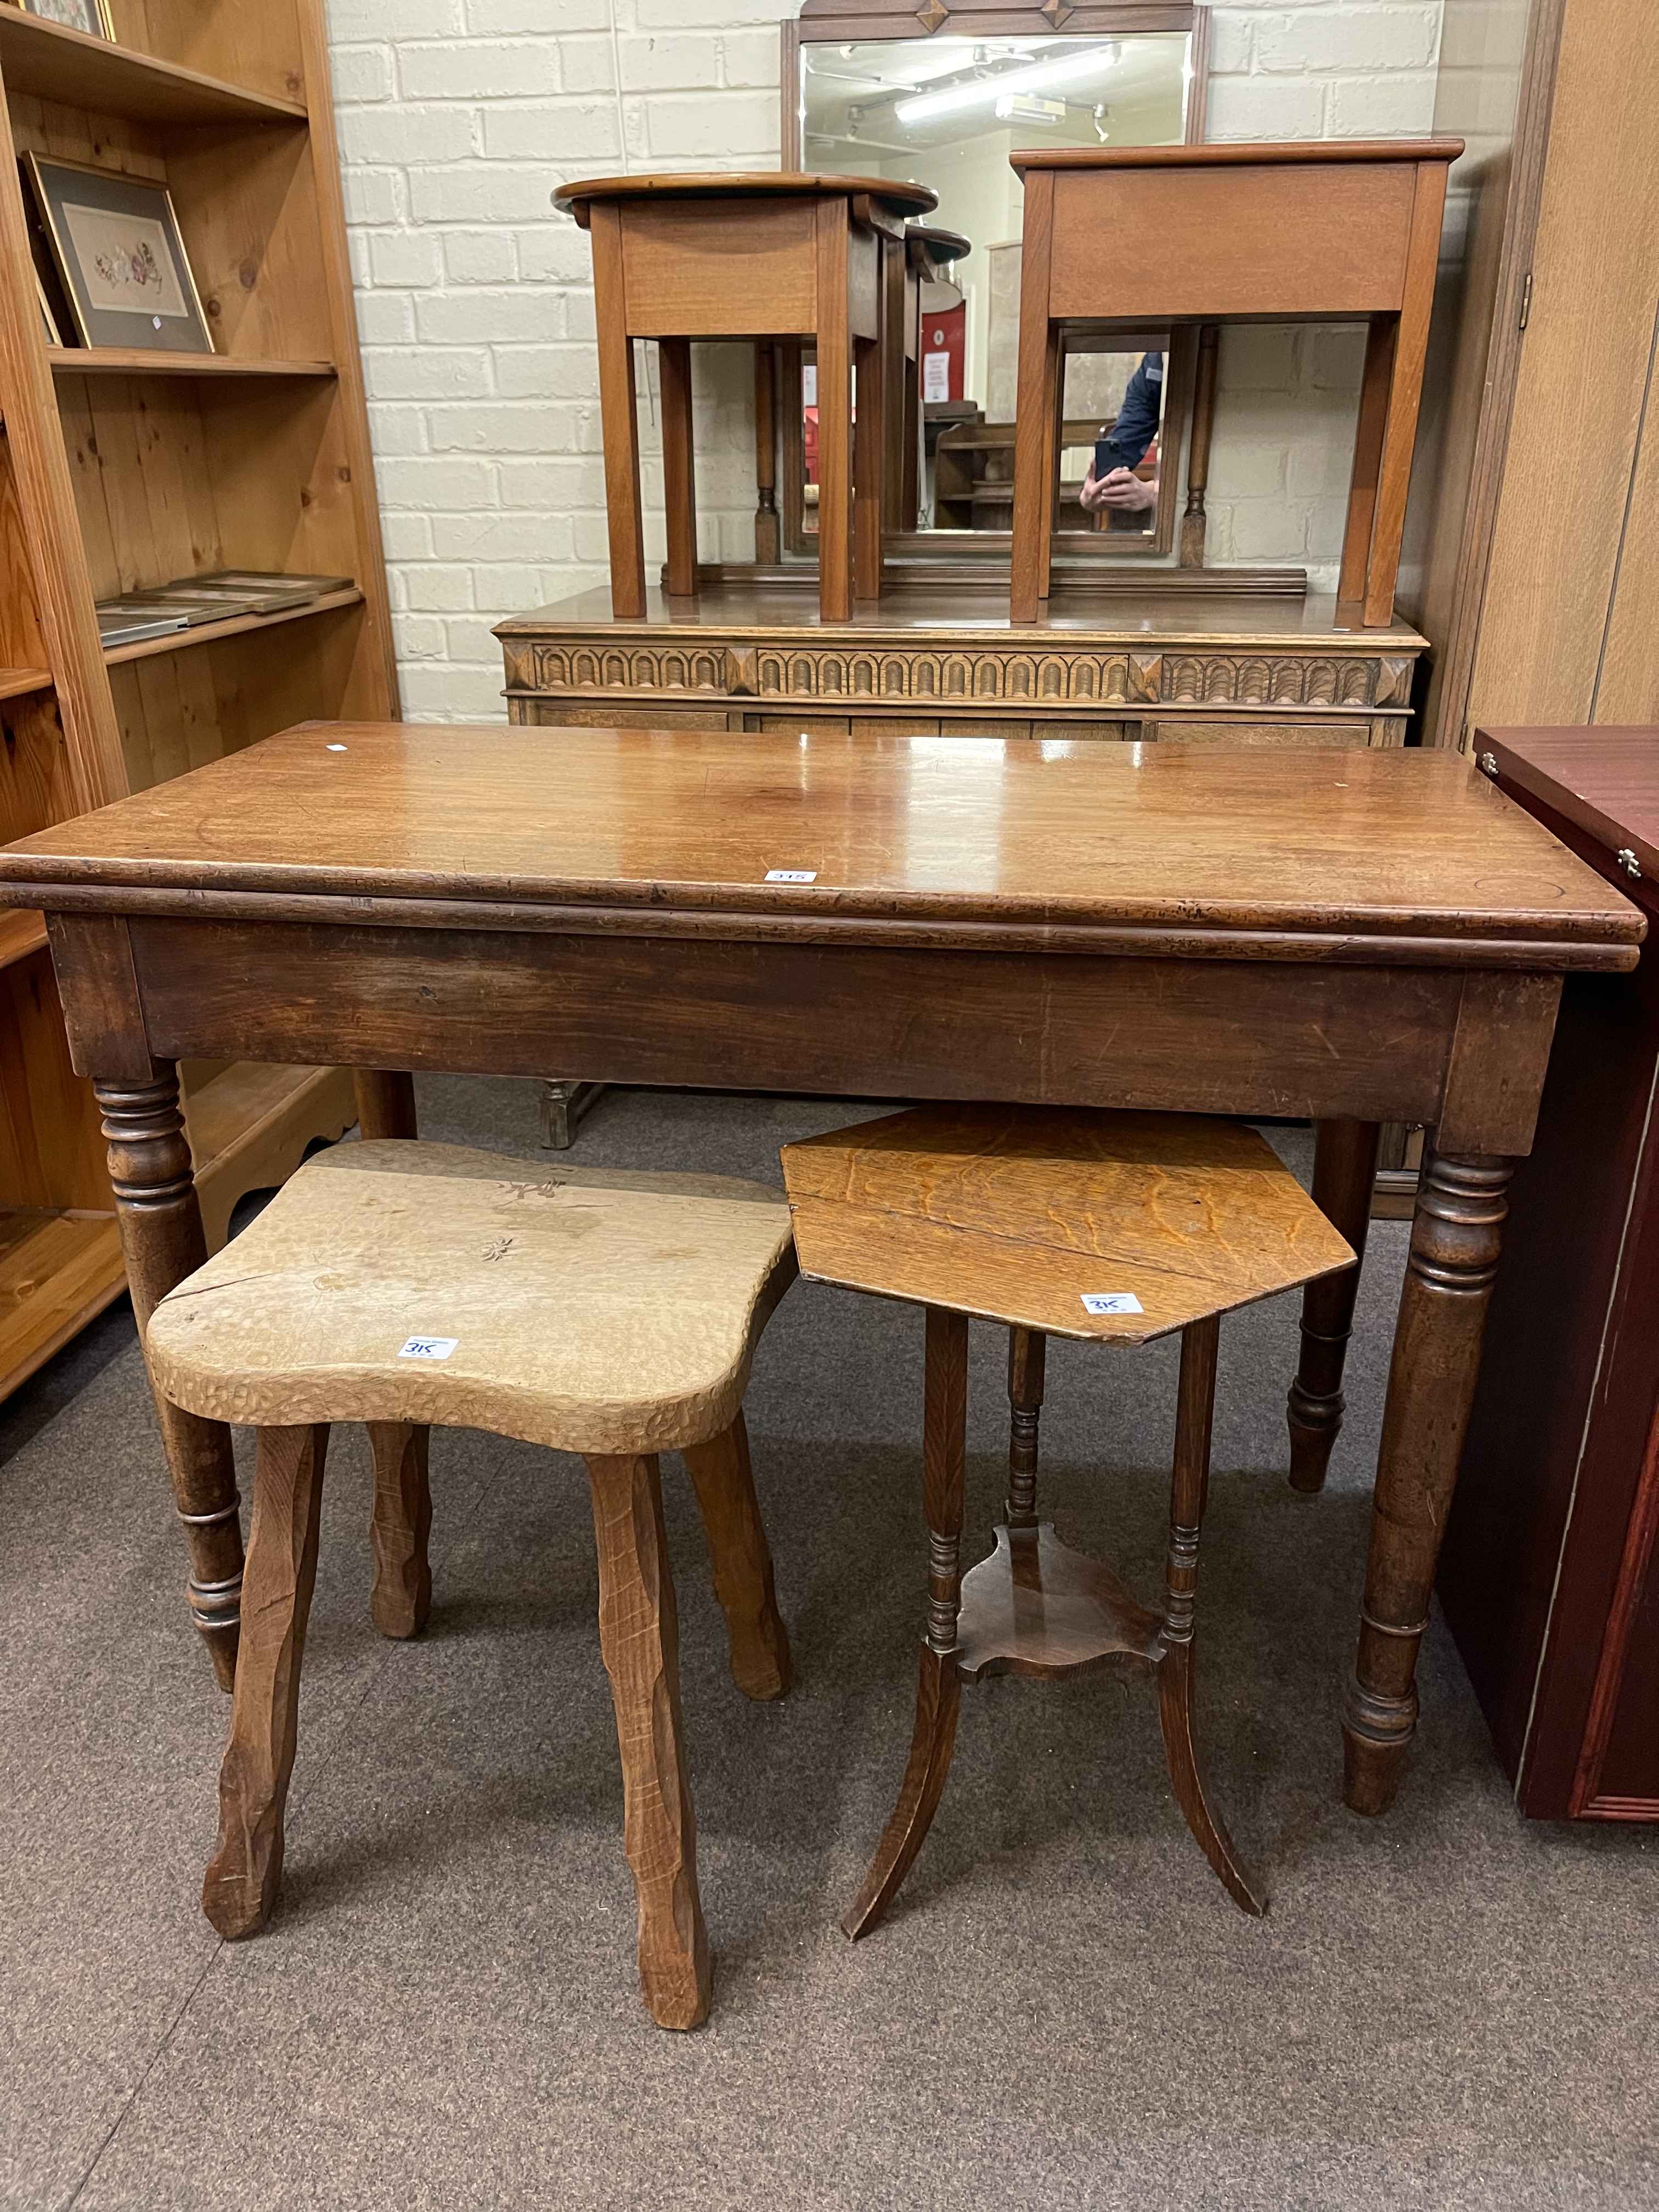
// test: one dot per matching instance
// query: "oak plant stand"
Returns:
(761, 256)
(1380, 937)
(1027, 1216)
(1331, 231)
(403, 1285)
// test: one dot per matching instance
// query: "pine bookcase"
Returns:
(120, 469)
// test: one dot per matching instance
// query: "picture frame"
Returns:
(92, 16)
(50, 331)
(118, 249)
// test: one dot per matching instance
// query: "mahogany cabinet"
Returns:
(1548, 1576)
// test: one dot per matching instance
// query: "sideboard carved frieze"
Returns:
(1319, 688)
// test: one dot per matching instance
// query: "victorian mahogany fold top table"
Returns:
(1354, 937)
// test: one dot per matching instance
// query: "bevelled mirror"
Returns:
(946, 110)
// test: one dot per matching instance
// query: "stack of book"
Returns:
(190, 601)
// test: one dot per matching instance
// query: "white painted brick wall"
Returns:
(457, 119)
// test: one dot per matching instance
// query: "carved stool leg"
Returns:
(245, 1870)
(1026, 1350)
(403, 1502)
(161, 1239)
(1196, 1412)
(1344, 1169)
(639, 1636)
(938, 1690)
(401, 1524)
(1456, 1236)
(742, 1561)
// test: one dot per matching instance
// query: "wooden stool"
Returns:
(763, 256)
(1326, 231)
(605, 1313)
(1117, 1228)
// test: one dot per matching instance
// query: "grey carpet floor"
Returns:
(1448, 2008)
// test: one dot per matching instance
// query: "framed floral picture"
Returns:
(115, 241)
(91, 15)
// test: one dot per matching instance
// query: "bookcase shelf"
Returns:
(138, 361)
(49, 61)
(120, 468)
(150, 648)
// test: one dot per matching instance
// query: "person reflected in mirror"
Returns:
(1134, 436)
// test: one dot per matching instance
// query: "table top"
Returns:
(1605, 779)
(1242, 153)
(964, 614)
(891, 191)
(1350, 856)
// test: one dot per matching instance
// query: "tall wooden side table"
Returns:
(746, 256)
(1322, 231)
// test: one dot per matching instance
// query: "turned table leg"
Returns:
(1195, 1418)
(939, 1688)
(245, 1870)
(1027, 1349)
(1345, 1170)
(639, 1636)
(742, 1561)
(161, 1239)
(1456, 1235)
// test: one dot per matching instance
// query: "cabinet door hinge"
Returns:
(1526, 300)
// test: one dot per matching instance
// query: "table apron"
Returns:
(1203, 1036)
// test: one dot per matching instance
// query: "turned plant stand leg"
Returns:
(1027, 1348)
(639, 1636)
(1195, 1415)
(1345, 1170)
(742, 1561)
(245, 1870)
(938, 1690)
(403, 1500)
(1456, 1237)
(162, 1240)
(403, 1524)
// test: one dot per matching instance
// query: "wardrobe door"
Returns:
(1586, 363)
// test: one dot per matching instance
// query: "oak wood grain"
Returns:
(1022, 1214)
(1363, 845)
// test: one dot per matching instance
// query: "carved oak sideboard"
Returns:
(1216, 667)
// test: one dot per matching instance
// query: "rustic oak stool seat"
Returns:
(594, 1310)
(1115, 1228)
(760, 256)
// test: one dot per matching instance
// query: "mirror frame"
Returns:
(835, 22)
